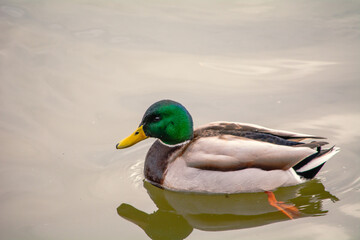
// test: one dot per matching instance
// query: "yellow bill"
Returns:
(134, 138)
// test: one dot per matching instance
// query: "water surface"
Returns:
(77, 76)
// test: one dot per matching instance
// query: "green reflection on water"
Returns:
(179, 213)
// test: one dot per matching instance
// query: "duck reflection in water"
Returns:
(179, 213)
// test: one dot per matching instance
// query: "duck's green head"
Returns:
(166, 120)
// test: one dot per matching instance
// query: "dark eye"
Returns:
(156, 119)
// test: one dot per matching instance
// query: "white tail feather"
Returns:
(318, 161)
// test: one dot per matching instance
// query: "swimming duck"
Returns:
(224, 157)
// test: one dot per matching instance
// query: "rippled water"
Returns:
(77, 76)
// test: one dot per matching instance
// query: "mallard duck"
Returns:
(224, 157)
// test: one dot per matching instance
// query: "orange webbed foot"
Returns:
(288, 210)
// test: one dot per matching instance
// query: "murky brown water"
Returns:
(77, 76)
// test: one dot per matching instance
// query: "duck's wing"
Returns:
(238, 129)
(233, 146)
